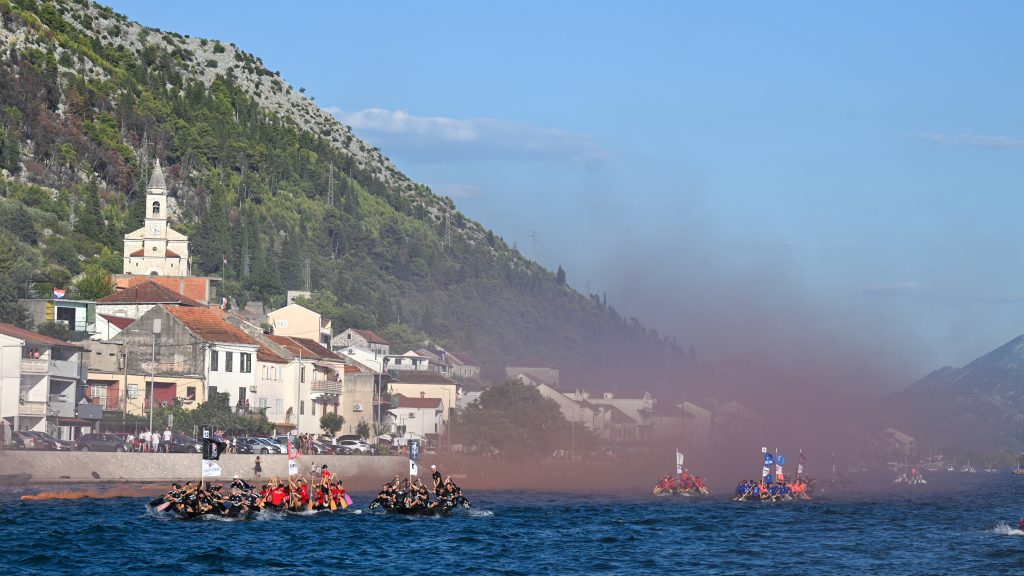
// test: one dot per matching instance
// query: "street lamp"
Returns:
(152, 365)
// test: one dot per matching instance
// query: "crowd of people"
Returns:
(683, 484)
(773, 491)
(404, 497)
(322, 491)
(149, 441)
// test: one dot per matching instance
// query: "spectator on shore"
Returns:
(167, 439)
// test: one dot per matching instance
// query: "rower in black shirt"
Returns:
(436, 477)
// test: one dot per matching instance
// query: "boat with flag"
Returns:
(773, 487)
(682, 483)
(411, 497)
(322, 491)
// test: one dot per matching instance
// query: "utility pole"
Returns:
(533, 246)
(305, 273)
(330, 186)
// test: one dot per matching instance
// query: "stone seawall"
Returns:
(131, 467)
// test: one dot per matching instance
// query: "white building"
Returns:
(419, 416)
(156, 249)
(51, 386)
(10, 384)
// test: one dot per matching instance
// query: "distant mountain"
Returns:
(274, 193)
(979, 407)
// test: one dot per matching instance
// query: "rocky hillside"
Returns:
(274, 193)
(978, 407)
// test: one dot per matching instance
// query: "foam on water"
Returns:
(1005, 529)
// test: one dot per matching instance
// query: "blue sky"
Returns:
(760, 180)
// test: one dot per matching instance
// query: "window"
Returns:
(279, 406)
(263, 402)
(312, 408)
(66, 315)
(133, 391)
(302, 407)
(213, 391)
(190, 393)
(246, 362)
(228, 361)
(213, 360)
(156, 208)
(302, 374)
(241, 395)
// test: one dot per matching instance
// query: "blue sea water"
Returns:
(958, 524)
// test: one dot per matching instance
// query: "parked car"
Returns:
(251, 445)
(21, 440)
(182, 443)
(283, 441)
(323, 447)
(46, 441)
(101, 443)
(355, 446)
(275, 448)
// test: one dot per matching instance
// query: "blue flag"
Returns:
(768, 459)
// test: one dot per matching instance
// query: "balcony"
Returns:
(34, 366)
(325, 387)
(32, 409)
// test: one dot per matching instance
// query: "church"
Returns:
(156, 249)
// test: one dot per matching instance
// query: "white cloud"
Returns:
(441, 139)
(978, 140)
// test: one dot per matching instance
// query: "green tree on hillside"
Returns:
(95, 283)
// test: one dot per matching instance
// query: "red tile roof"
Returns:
(208, 324)
(167, 253)
(33, 337)
(410, 402)
(148, 292)
(195, 287)
(422, 377)
(370, 336)
(304, 347)
(120, 321)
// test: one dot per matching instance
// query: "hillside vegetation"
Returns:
(262, 179)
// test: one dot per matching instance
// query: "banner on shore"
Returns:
(211, 468)
(293, 468)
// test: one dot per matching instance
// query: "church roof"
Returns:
(167, 253)
(156, 181)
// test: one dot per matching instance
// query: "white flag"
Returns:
(679, 462)
(293, 468)
(413, 469)
(211, 468)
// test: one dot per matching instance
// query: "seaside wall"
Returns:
(133, 467)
